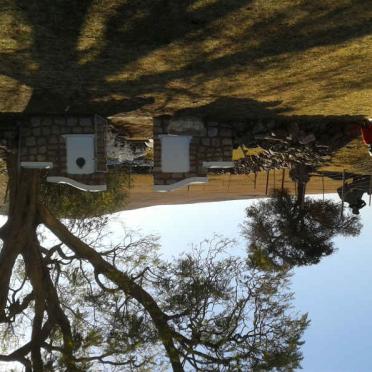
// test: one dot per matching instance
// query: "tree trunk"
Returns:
(301, 190)
(19, 238)
(21, 224)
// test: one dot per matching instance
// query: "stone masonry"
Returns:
(41, 140)
(8, 135)
(211, 141)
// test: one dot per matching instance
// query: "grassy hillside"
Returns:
(352, 158)
(156, 56)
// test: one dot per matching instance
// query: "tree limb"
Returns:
(122, 280)
(34, 268)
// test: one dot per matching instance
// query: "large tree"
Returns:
(85, 301)
(284, 233)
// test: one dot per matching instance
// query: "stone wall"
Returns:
(41, 140)
(211, 141)
(8, 135)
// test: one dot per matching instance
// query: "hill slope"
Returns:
(154, 56)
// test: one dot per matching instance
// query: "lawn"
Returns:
(352, 158)
(145, 57)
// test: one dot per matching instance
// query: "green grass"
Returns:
(352, 158)
(147, 57)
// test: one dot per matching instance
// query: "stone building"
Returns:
(185, 148)
(71, 149)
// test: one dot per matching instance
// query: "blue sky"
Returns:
(337, 293)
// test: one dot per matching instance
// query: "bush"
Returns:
(67, 202)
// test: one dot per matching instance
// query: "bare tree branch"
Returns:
(123, 281)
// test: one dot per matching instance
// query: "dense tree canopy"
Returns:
(85, 300)
(281, 232)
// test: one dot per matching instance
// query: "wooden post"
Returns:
(342, 194)
(323, 185)
(274, 179)
(267, 182)
(283, 178)
(255, 180)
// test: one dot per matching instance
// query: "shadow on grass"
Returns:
(232, 109)
(134, 29)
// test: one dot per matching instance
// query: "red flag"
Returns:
(367, 135)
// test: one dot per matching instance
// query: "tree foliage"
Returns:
(81, 300)
(222, 315)
(68, 202)
(282, 233)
